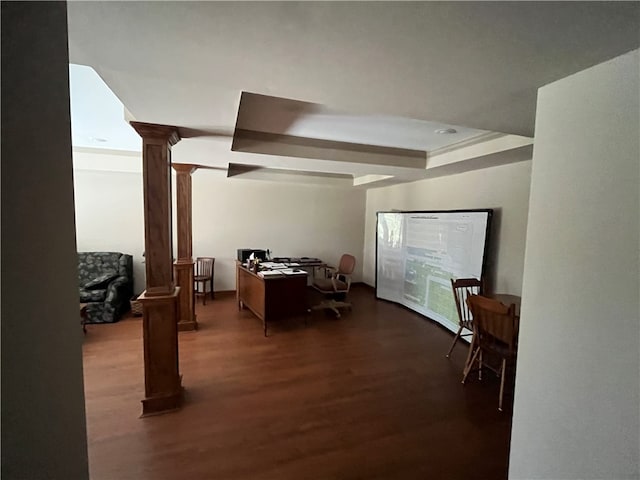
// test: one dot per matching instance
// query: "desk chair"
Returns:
(462, 288)
(496, 332)
(203, 274)
(336, 285)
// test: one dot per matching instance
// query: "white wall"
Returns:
(43, 420)
(504, 188)
(576, 413)
(109, 213)
(288, 219)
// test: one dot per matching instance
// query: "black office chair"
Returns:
(336, 285)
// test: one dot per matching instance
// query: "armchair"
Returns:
(337, 285)
(105, 281)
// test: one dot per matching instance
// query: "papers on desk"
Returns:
(270, 273)
(273, 265)
(279, 272)
(293, 271)
(279, 266)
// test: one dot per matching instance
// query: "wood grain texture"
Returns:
(369, 396)
(156, 160)
(163, 391)
(184, 213)
(162, 388)
(183, 267)
(186, 297)
(271, 298)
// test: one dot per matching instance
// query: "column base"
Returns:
(162, 404)
(162, 379)
(187, 326)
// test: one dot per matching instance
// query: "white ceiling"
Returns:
(303, 119)
(375, 73)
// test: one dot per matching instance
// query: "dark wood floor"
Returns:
(368, 396)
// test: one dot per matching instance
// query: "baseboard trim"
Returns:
(364, 285)
(223, 293)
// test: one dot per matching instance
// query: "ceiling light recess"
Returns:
(446, 131)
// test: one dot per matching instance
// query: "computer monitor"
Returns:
(245, 253)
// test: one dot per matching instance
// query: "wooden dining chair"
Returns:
(496, 332)
(462, 288)
(203, 275)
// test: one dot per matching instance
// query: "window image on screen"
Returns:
(418, 253)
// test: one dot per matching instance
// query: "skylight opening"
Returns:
(97, 114)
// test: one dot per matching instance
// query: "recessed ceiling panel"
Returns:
(251, 141)
(284, 116)
(257, 172)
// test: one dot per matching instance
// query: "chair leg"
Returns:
(468, 369)
(455, 339)
(480, 366)
(504, 367)
(470, 353)
(204, 293)
(469, 365)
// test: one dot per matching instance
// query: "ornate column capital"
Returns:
(167, 133)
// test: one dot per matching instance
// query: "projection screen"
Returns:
(418, 253)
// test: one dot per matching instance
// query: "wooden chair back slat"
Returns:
(463, 288)
(204, 266)
(494, 322)
(495, 332)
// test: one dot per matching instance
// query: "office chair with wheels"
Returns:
(336, 285)
(462, 288)
(203, 274)
(495, 332)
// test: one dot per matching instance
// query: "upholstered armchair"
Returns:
(106, 284)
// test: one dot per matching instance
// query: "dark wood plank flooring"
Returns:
(369, 396)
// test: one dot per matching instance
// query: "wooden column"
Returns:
(162, 380)
(183, 267)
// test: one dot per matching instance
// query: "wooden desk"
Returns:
(271, 298)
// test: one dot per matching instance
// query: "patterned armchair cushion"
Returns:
(87, 296)
(101, 281)
(106, 284)
(93, 264)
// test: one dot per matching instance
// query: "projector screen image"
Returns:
(418, 253)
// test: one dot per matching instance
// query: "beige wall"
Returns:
(504, 188)
(576, 412)
(288, 219)
(109, 214)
